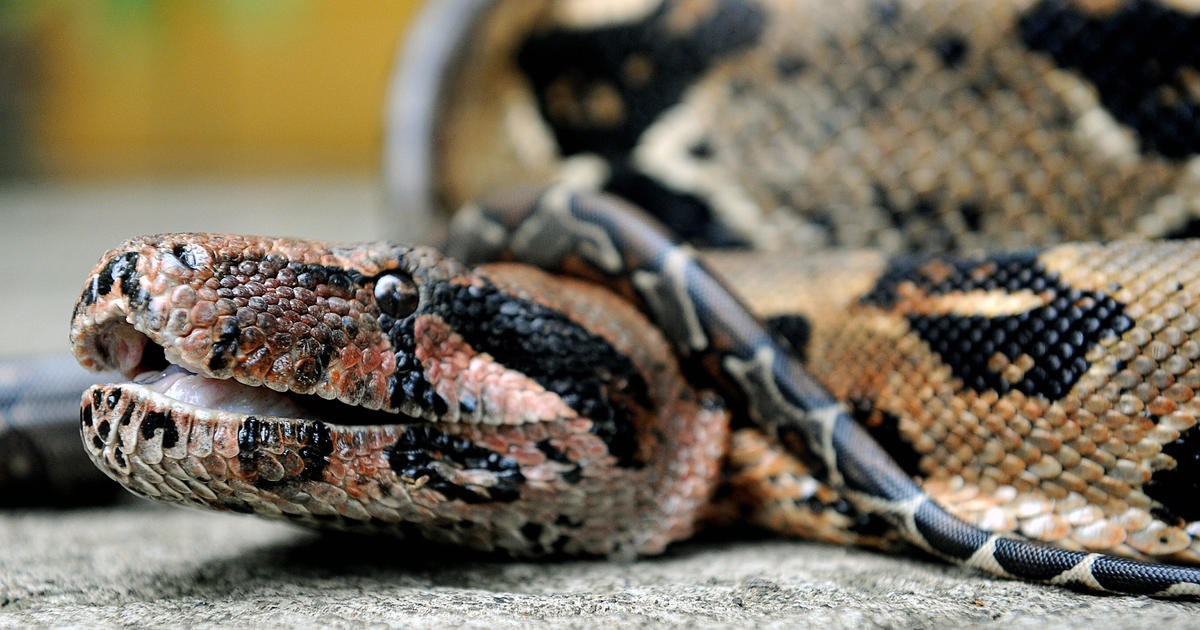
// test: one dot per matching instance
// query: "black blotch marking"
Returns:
(255, 433)
(155, 420)
(103, 428)
(951, 49)
(1129, 576)
(87, 298)
(120, 270)
(420, 446)
(868, 524)
(1057, 335)
(685, 215)
(532, 531)
(888, 11)
(925, 211)
(1177, 488)
(562, 520)
(315, 454)
(1190, 229)
(796, 443)
(555, 454)
(127, 416)
(85, 416)
(584, 369)
(113, 270)
(588, 57)
(861, 523)
(241, 507)
(946, 534)
(559, 546)
(884, 427)
(1136, 57)
(796, 330)
(702, 150)
(1033, 562)
(584, 59)
(790, 66)
(225, 347)
(972, 215)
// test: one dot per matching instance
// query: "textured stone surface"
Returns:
(139, 565)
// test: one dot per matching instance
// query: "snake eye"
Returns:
(396, 296)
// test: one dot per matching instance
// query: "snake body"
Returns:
(1041, 400)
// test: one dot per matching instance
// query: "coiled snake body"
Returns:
(1041, 396)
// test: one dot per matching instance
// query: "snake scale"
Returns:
(965, 385)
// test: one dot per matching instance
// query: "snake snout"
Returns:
(103, 335)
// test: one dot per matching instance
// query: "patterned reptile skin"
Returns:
(1041, 395)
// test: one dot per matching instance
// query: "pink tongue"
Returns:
(225, 395)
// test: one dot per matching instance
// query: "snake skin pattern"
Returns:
(1037, 396)
(903, 125)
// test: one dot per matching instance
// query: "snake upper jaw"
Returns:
(114, 342)
(162, 305)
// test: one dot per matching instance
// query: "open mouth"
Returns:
(151, 369)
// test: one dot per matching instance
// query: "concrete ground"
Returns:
(139, 565)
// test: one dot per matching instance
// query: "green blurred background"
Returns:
(110, 89)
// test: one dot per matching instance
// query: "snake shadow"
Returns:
(369, 563)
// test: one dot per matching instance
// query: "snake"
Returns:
(966, 323)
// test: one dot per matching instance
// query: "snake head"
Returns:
(286, 315)
(381, 385)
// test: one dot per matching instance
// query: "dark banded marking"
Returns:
(422, 452)
(256, 437)
(1033, 563)
(584, 369)
(1130, 576)
(155, 420)
(946, 535)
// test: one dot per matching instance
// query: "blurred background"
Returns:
(127, 117)
(121, 117)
